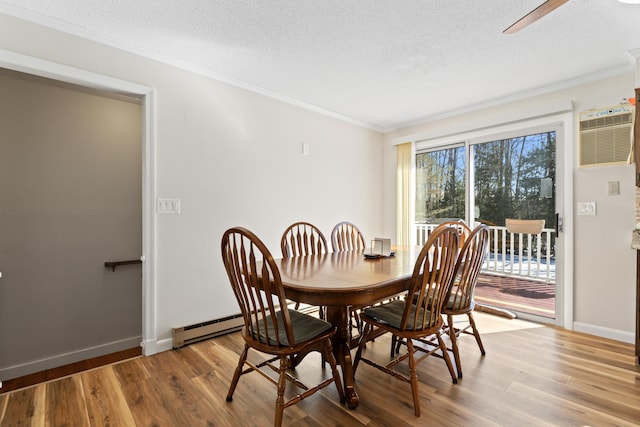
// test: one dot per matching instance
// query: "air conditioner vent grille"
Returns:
(605, 136)
(605, 121)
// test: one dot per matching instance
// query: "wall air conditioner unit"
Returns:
(605, 135)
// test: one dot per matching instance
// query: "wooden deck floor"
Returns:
(517, 294)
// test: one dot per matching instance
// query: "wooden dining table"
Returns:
(341, 280)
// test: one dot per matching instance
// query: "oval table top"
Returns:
(346, 278)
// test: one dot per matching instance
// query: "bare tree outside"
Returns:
(440, 193)
(508, 177)
(507, 182)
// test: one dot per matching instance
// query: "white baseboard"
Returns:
(31, 367)
(149, 347)
(599, 331)
(164, 345)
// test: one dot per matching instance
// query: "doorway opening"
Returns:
(94, 82)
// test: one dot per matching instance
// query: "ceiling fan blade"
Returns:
(537, 13)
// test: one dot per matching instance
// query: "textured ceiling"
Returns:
(381, 63)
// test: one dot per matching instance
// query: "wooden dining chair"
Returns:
(345, 236)
(460, 298)
(270, 327)
(463, 229)
(303, 238)
(463, 232)
(418, 315)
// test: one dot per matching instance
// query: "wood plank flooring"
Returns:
(532, 375)
(72, 368)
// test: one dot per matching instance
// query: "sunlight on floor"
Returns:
(489, 323)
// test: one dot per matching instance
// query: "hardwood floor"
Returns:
(72, 368)
(532, 375)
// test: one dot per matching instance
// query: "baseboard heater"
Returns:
(205, 330)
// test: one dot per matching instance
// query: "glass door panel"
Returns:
(515, 178)
(440, 185)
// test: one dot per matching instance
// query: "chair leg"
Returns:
(454, 344)
(476, 334)
(361, 345)
(445, 356)
(237, 373)
(282, 382)
(393, 345)
(396, 343)
(327, 355)
(413, 377)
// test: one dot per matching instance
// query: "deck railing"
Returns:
(513, 254)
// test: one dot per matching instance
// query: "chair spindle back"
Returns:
(302, 238)
(345, 236)
(257, 286)
(431, 279)
(468, 266)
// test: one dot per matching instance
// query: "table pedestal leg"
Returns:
(339, 317)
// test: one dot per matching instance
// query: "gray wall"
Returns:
(70, 192)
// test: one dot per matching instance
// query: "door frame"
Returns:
(43, 68)
(561, 117)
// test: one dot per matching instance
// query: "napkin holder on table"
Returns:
(379, 248)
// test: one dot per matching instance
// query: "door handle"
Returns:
(559, 227)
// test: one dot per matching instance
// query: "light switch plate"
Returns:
(613, 188)
(168, 206)
(586, 208)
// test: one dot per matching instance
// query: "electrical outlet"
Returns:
(613, 188)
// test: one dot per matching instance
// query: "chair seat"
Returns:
(454, 303)
(391, 314)
(305, 327)
(458, 304)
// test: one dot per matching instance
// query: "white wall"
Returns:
(603, 270)
(232, 157)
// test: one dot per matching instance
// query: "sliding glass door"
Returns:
(489, 181)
